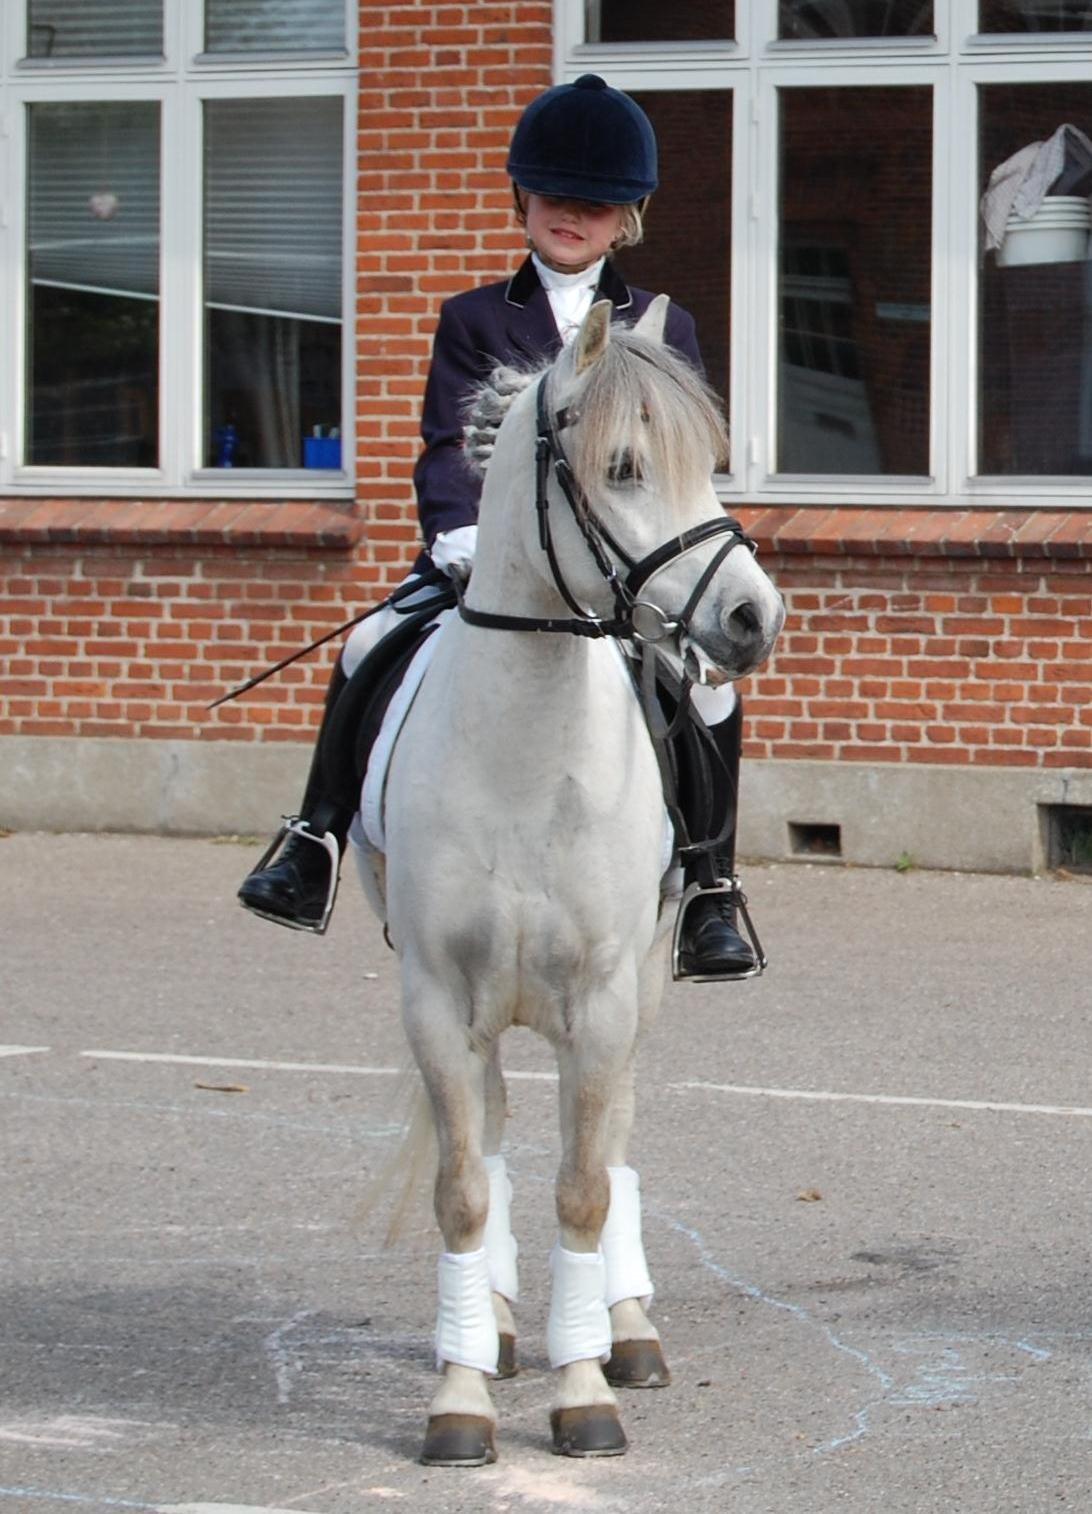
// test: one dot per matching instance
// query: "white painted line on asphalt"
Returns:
(253, 1062)
(222, 1508)
(816, 1095)
(1074, 1111)
(21, 1051)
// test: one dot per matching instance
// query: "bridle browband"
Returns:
(634, 619)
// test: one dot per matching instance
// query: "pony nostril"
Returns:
(744, 621)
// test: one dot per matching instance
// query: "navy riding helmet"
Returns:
(585, 141)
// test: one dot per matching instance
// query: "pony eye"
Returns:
(624, 469)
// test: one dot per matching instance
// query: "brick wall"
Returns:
(927, 636)
(436, 114)
(914, 636)
(125, 618)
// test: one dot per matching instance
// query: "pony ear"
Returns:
(593, 336)
(652, 323)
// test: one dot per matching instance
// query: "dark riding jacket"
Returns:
(510, 323)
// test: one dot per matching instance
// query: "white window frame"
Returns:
(181, 82)
(756, 66)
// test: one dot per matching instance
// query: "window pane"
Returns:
(94, 28)
(93, 284)
(273, 199)
(653, 21)
(1035, 298)
(1035, 16)
(854, 287)
(688, 230)
(855, 18)
(267, 26)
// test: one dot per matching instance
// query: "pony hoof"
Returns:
(592, 1430)
(637, 1364)
(458, 1440)
(506, 1361)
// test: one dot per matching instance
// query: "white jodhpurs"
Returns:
(369, 633)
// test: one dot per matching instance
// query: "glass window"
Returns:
(1035, 300)
(93, 284)
(653, 21)
(242, 26)
(273, 218)
(687, 250)
(855, 18)
(854, 280)
(1035, 16)
(94, 28)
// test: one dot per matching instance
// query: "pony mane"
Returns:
(644, 397)
(487, 405)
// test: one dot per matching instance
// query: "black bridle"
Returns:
(634, 619)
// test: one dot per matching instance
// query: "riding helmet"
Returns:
(585, 141)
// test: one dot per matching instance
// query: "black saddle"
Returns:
(700, 809)
(357, 717)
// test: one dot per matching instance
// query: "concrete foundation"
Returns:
(973, 819)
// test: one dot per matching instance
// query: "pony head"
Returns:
(642, 434)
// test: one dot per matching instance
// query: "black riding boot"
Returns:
(293, 888)
(710, 943)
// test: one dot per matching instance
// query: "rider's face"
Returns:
(570, 235)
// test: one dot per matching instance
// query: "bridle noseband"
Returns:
(635, 619)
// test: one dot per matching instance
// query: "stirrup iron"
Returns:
(293, 825)
(734, 889)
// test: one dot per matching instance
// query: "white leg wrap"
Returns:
(579, 1325)
(500, 1244)
(623, 1251)
(466, 1330)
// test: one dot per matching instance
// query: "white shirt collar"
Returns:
(549, 278)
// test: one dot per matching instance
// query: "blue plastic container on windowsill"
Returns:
(322, 452)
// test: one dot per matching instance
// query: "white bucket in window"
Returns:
(1057, 233)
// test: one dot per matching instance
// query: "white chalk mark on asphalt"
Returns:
(828, 1096)
(97, 1500)
(284, 1361)
(21, 1051)
(71, 1431)
(862, 1417)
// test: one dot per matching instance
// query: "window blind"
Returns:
(93, 196)
(94, 28)
(240, 26)
(273, 206)
(273, 202)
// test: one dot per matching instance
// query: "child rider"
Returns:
(583, 164)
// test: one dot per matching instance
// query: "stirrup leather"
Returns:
(293, 825)
(734, 889)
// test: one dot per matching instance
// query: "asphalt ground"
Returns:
(865, 1176)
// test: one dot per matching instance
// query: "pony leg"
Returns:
(461, 1419)
(636, 1359)
(500, 1244)
(584, 1419)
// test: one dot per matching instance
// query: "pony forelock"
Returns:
(643, 397)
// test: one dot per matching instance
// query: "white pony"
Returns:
(524, 824)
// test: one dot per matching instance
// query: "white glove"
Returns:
(453, 551)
